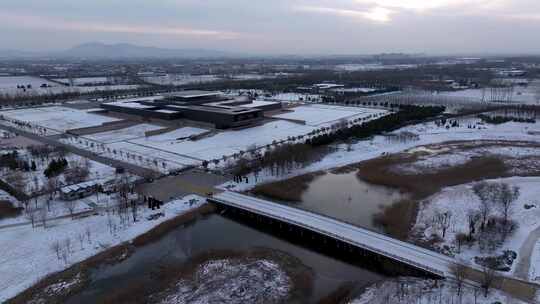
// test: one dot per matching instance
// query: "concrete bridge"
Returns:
(418, 258)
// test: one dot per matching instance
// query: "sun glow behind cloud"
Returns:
(419, 5)
(376, 14)
(383, 11)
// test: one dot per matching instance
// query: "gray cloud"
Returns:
(278, 26)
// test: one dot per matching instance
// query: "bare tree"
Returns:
(88, 233)
(472, 217)
(461, 238)
(80, 236)
(56, 247)
(459, 272)
(52, 186)
(485, 192)
(67, 244)
(78, 172)
(134, 210)
(70, 205)
(488, 277)
(505, 197)
(43, 215)
(31, 216)
(17, 181)
(443, 220)
(64, 254)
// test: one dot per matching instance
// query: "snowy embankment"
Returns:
(429, 133)
(413, 290)
(232, 281)
(28, 253)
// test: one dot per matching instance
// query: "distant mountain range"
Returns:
(96, 50)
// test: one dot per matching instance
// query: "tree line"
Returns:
(280, 159)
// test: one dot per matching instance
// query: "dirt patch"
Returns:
(43, 292)
(166, 277)
(421, 185)
(398, 219)
(344, 294)
(289, 190)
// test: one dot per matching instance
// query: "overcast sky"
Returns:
(278, 26)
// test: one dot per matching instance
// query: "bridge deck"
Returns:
(407, 253)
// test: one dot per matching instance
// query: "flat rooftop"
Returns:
(129, 104)
(192, 94)
(223, 110)
(260, 103)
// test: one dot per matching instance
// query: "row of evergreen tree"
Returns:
(56, 167)
(12, 161)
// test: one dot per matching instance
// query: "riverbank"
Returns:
(58, 285)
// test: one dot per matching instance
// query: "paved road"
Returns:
(190, 182)
(53, 141)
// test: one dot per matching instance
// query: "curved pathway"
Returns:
(525, 253)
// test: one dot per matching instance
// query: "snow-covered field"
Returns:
(296, 97)
(233, 141)
(181, 79)
(8, 86)
(131, 145)
(59, 119)
(354, 90)
(351, 67)
(171, 138)
(83, 80)
(461, 201)
(27, 255)
(136, 154)
(124, 134)
(413, 290)
(520, 157)
(11, 82)
(525, 95)
(316, 115)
